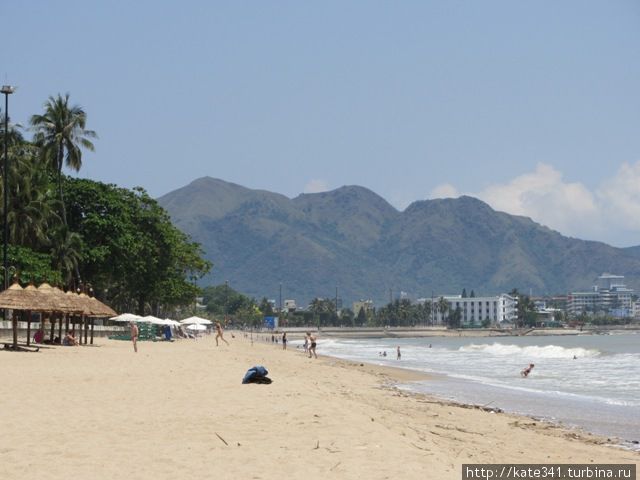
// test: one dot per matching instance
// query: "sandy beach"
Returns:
(179, 410)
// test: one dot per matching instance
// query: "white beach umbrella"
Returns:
(154, 320)
(195, 321)
(196, 326)
(173, 323)
(127, 317)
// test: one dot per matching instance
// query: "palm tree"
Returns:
(61, 134)
(66, 255)
(31, 216)
(14, 136)
(442, 306)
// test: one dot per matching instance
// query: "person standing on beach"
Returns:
(399, 355)
(284, 341)
(312, 347)
(134, 336)
(306, 342)
(219, 334)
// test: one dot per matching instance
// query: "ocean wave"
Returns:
(532, 351)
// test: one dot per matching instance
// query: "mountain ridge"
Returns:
(354, 239)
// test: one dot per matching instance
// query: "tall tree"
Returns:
(61, 133)
(66, 255)
(31, 213)
(131, 248)
(442, 306)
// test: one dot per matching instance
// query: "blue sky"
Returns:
(533, 107)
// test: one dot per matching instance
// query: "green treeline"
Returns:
(80, 233)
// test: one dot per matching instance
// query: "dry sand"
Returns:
(179, 411)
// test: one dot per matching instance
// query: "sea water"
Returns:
(588, 381)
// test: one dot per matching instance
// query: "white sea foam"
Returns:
(532, 351)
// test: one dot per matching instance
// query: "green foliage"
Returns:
(131, 248)
(32, 267)
(266, 308)
(61, 134)
(120, 241)
(455, 318)
(347, 318)
(222, 299)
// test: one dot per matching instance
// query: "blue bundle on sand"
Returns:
(256, 374)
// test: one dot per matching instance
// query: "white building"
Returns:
(476, 310)
(365, 305)
(290, 305)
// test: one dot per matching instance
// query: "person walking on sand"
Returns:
(306, 343)
(284, 341)
(312, 347)
(399, 354)
(134, 336)
(219, 334)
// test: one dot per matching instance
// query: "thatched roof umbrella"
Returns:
(56, 299)
(101, 309)
(15, 298)
(96, 309)
(80, 307)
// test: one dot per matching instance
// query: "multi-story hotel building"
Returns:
(609, 293)
(476, 310)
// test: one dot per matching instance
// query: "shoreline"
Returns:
(399, 379)
(179, 410)
(435, 332)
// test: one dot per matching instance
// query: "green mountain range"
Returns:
(353, 239)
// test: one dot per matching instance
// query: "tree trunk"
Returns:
(62, 206)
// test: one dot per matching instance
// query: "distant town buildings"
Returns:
(290, 305)
(609, 295)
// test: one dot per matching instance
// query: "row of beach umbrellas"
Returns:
(192, 323)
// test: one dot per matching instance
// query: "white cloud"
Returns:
(446, 190)
(544, 196)
(611, 212)
(620, 197)
(316, 186)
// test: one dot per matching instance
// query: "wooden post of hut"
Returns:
(93, 321)
(66, 323)
(14, 324)
(86, 328)
(60, 327)
(28, 312)
(52, 319)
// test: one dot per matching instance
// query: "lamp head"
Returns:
(7, 89)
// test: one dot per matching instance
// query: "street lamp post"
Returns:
(6, 90)
(226, 300)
